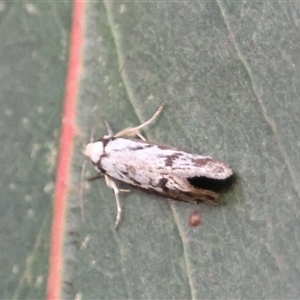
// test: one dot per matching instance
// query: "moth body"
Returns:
(159, 169)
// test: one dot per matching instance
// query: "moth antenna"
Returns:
(92, 134)
(81, 189)
(109, 130)
(135, 130)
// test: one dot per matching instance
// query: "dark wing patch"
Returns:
(162, 184)
(194, 196)
(171, 158)
(200, 162)
(212, 184)
(141, 147)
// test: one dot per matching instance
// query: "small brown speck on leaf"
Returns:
(195, 219)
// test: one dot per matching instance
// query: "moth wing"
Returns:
(191, 165)
(166, 159)
(181, 189)
(166, 170)
(136, 161)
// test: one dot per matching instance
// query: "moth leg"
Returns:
(99, 175)
(111, 134)
(141, 137)
(136, 130)
(111, 184)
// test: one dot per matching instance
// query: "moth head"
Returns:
(94, 151)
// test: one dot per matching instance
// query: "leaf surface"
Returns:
(33, 59)
(227, 73)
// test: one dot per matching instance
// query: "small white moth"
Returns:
(156, 168)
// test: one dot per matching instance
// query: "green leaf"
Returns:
(33, 58)
(227, 72)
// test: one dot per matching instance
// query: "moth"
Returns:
(156, 168)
